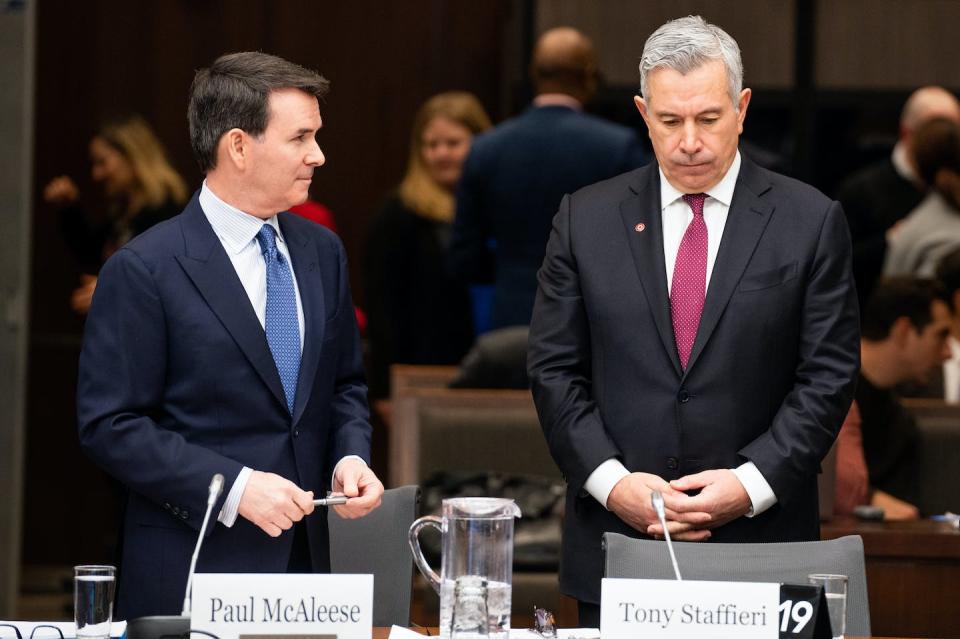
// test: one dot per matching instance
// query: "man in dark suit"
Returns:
(224, 341)
(695, 330)
(878, 196)
(517, 173)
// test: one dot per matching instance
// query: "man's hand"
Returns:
(354, 479)
(722, 497)
(630, 501)
(274, 503)
(894, 509)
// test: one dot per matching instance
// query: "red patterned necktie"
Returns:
(689, 285)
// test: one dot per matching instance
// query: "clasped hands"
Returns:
(274, 503)
(721, 499)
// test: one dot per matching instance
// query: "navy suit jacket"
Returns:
(769, 380)
(177, 383)
(513, 180)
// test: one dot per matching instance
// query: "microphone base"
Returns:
(159, 626)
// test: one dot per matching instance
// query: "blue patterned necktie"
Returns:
(282, 326)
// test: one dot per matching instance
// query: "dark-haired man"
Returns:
(905, 328)
(516, 174)
(224, 341)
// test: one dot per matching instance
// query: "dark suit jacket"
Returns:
(513, 181)
(769, 380)
(177, 383)
(874, 199)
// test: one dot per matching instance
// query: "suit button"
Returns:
(683, 396)
(183, 514)
(176, 510)
(296, 432)
(166, 506)
(672, 463)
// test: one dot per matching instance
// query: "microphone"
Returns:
(216, 487)
(160, 626)
(657, 499)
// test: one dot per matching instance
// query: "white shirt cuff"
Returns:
(602, 480)
(334, 475)
(228, 514)
(759, 491)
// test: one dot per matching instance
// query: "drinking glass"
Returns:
(835, 588)
(93, 588)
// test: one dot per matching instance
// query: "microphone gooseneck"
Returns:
(216, 487)
(657, 499)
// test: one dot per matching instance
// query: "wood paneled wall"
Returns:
(764, 29)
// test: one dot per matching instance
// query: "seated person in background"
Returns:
(944, 383)
(931, 230)
(903, 338)
(418, 313)
(498, 359)
(852, 486)
(141, 189)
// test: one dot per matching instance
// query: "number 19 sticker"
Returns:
(803, 613)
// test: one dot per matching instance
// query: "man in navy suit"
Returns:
(695, 330)
(224, 341)
(516, 174)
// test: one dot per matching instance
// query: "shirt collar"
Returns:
(901, 164)
(557, 99)
(235, 228)
(722, 192)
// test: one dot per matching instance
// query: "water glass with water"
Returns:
(93, 589)
(835, 588)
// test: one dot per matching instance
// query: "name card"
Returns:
(232, 606)
(654, 608)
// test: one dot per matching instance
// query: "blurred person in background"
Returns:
(905, 328)
(141, 189)
(417, 312)
(876, 197)
(931, 230)
(516, 175)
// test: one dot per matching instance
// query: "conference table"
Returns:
(913, 575)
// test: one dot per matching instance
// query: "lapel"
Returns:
(304, 258)
(643, 207)
(746, 221)
(212, 272)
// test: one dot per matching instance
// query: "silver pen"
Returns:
(334, 500)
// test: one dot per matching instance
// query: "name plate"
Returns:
(711, 609)
(232, 606)
(654, 608)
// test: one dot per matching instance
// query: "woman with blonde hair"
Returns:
(418, 314)
(141, 189)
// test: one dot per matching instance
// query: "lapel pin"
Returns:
(640, 227)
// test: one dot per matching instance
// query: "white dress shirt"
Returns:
(676, 215)
(237, 232)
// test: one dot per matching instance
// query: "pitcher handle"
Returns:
(418, 557)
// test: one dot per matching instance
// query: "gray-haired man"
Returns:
(695, 329)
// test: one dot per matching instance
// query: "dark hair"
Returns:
(936, 145)
(234, 93)
(948, 274)
(898, 297)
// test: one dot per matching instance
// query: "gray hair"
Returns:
(684, 45)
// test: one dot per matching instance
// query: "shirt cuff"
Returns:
(228, 514)
(333, 476)
(602, 480)
(758, 489)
